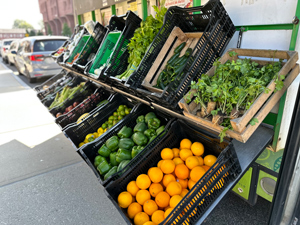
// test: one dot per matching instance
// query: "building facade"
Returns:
(12, 33)
(56, 13)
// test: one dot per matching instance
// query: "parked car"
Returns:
(13, 47)
(0, 47)
(33, 57)
(5, 47)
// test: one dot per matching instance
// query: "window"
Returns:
(47, 45)
(27, 46)
(20, 48)
(7, 42)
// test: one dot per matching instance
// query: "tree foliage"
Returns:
(66, 31)
(21, 24)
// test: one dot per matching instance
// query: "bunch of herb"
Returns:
(142, 39)
(233, 88)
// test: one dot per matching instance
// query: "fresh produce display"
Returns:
(67, 92)
(119, 149)
(93, 97)
(121, 112)
(174, 65)
(152, 196)
(56, 86)
(233, 88)
(60, 51)
(141, 40)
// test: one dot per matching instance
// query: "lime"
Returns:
(109, 126)
(115, 117)
(115, 121)
(121, 108)
(123, 113)
(120, 117)
(127, 111)
(111, 118)
(110, 122)
(115, 114)
(104, 126)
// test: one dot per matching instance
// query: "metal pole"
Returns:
(113, 10)
(93, 16)
(144, 9)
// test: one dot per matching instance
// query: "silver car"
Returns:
(33, 57)
(5, 47)
(11, 58)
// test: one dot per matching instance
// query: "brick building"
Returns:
(56, 13)
(12, 33)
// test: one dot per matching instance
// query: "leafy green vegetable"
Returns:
(141, 40)
(235, 86)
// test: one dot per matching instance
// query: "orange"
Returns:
(143, 181)
(184, 192)
(177, 161)
(158, 216)
(192, 162)
(183, 183)
(133, 209)
(191, 183)
(124, 199)
(155, 188)
(155, 174)
(182, 171)
(174, 188)
(132, 188)
(197, 148)
(159, 163)
(162, 199)
(205, 167)
(149, 223)
(168, 211)
(185, 143)
(167, 166)
(142, 196)
(167, 153)
(141, 218)
(210, 160)
(167, 179)
(175, 152)
(150, 207)
(185, 153)
(201, 161)
(197, 172)
(175, 200)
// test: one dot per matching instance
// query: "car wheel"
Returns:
(6, 60)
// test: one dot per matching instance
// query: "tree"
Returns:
(39, 33)
(32, 33)
(66, 31)
(49, 31)
(21, 24)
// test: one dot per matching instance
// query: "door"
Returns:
(19, 61)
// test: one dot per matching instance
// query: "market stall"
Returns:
(163, 113)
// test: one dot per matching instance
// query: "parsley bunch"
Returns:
(233, 88)
(141, 40)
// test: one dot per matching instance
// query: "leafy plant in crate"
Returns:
(142, 39)
(233, 88)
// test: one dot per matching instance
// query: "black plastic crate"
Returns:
(86, 106)
(53, 84)
(119, 58)
(204, 192)
(79, 96)
(50, 98)
(76, 132)
(98, 35)
(90, 151)
(217, 27)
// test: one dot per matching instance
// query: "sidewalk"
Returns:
(42, 179)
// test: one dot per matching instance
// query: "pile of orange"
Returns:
(152, 196)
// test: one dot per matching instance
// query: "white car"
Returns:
(13, 47)
(5, 47)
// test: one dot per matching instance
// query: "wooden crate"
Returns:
(242, 130)
(177, 36)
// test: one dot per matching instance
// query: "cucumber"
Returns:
(188, 52)
(179, 47)
(111, 172)
(173, 58)
(122, 165)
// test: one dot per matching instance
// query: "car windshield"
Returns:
(47, 45)
(7, 42)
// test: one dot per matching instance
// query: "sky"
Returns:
(27, 10)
